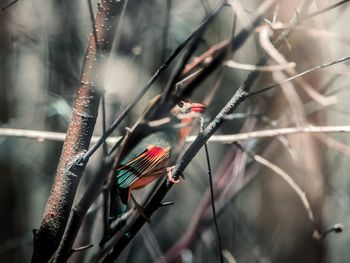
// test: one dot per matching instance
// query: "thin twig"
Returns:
(311, 70)
(337, 228)
(311, 31)
(205, 58)
(326, 9)
(166, 29)
(104, 124)
(228, 256)
(333, 143)
(182, 64)
(236, 65)
(42, 136)
(239, 11)
(280, 59)
(289, 180)
(299, 17)
(82, 248)
(276, 132)
(212, 196)
(220, 48)
(4, 7)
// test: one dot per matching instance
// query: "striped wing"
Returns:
(143, 165)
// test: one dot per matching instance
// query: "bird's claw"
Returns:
(169, 171)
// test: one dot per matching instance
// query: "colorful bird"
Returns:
(152, 156)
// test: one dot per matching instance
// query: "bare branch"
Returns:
(4, 7)
(286, 177)
(324, 10)
(275, 132)
(337, 228)
(229, 138)
(79, 134)
(290, 181)
(311, 31)
(228, 256)
(42, 136)
(333, 143)
(236, 65)
(82, 248)
(311, 70)
(279, 58)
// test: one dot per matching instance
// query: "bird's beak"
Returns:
(198, 107)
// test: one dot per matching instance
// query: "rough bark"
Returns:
(80, 129)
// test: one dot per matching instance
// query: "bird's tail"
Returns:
(116, 209)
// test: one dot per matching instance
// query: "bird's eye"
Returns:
(180, 104)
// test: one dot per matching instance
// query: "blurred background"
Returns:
(260, 217)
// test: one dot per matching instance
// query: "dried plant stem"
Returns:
(333, 143)
(326, 9)
(325, 65)
(229, 138)
(276, 132)
(236, 65)
(290, 91)
(287, 178)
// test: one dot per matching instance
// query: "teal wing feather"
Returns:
(141, 165)
(129, 172)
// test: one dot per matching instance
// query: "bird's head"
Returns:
(185, 111)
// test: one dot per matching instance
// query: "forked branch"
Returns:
(79, 133)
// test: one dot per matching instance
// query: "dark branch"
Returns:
(212, 199)
(189, 52)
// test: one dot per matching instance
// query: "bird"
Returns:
(152, 156)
